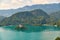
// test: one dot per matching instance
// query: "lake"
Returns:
(30, 33)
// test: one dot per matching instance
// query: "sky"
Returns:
(13, 4)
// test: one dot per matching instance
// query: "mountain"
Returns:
(37, 16)
(48, 8)
(56, 15)
(1, 18)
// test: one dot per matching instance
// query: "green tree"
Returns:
(58, 38)
(58, 22)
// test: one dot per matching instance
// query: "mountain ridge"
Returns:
(48, 8)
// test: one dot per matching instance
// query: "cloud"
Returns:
(58, 0)
(44, 1)
(10, 4)
(39, 1)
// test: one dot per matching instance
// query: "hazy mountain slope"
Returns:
(49, 8)
(56, 15)
(1, 18)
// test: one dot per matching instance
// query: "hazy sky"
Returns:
(10, 4)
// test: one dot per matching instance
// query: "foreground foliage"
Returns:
(58, 38)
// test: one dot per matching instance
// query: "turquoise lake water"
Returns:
(30, 33)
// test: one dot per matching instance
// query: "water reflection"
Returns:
(39, 33)
(33, 28)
